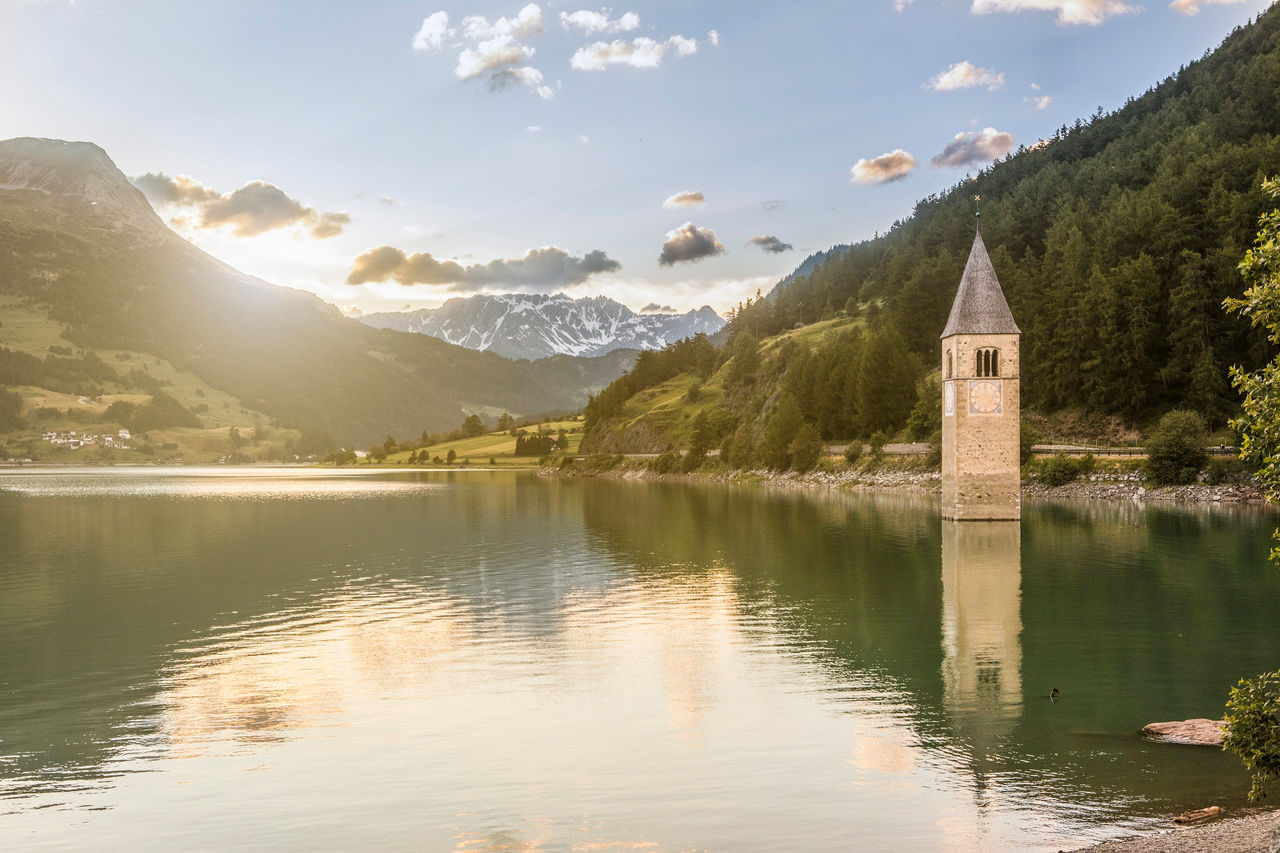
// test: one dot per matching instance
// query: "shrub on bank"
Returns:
(1253, 729)
(1175, 451)
(667, 463)
(1060, 469)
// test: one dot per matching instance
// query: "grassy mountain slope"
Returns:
(1115, 242)
(80, 245)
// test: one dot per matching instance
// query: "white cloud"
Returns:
(964, 75)
(968, 149)
(585, 140)
(899, 5)
(435, 29)
(889, 167)
(533, 128)
(591, 23)
(639, 53)
(1034, 86)
(527, 22)
(1040, 102)
(492, 49)
(493, 54)
(683, 46)
(1192, 7)
(713, 37)
(688, 198)
(1091, 12)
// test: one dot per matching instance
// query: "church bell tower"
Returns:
(981, 476)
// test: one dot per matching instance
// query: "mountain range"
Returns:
(539, 325)
(80, 246)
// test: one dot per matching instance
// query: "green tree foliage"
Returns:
(806, 448)
(1253, 729)
(1253, 708)
(341, 457)
(746, 358)
(886, 381)
(162, 412)
(506, 423)
(534, 444)
(451, 456)
(925, 419)
(1259, 421)
(473, 426)
(10, 411)
(1175, 450)
(783, 425)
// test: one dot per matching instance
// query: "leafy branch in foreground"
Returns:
(1253, 708)
(1253, 729)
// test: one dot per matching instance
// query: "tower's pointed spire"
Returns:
(979, 307)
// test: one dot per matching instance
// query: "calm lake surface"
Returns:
(471, 661)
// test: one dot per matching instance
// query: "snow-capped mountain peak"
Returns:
(519, 325)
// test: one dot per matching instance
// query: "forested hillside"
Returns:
(1115, 241)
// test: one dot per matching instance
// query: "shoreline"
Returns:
(1110, 487)
(1254, 832)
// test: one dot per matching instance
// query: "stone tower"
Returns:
(981, 479)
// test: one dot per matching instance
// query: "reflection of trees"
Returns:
(854, 580)
(112, 611)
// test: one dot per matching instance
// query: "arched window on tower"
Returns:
(987, 362)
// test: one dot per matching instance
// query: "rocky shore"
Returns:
(1253, 833)
(1098, 486)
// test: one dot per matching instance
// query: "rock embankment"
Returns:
(1133, 487)
(1128, 487)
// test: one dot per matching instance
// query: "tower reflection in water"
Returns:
(981, 630)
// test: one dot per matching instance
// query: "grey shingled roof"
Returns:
(980, 308)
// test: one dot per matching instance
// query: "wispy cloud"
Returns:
(894, 166)
(1039, 102)
(968, 149)
(688, 198)
(1192, 7)
(540, 270)
(769, 243)
(1070, 12)
(689, 243)
(253, 209)
(964, 75)
(591, 23)
(772, 204)
(638, 53)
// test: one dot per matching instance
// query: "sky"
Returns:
(392, 155)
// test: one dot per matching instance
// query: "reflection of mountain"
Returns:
(981, 628)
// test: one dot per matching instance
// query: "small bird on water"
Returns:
(1053, 694)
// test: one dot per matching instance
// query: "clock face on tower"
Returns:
(984, 396)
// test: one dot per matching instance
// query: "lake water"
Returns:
(471, 661)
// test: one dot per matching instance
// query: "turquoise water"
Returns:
(297, 659)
